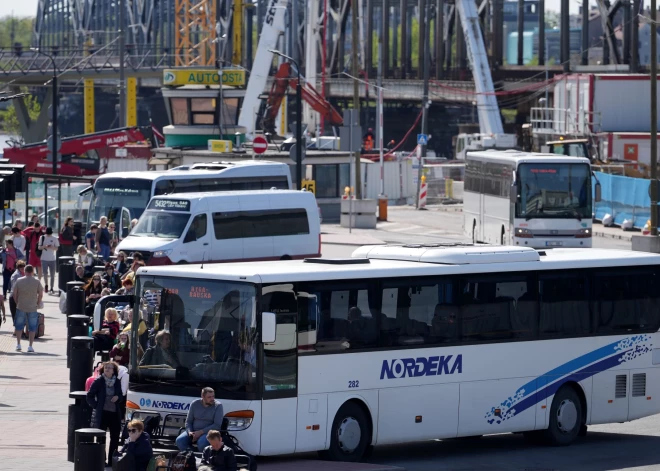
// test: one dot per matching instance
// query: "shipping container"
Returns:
(630, 146)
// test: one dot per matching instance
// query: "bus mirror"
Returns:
(513, 194)
(598, 192)
(268, 323)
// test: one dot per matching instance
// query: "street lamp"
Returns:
(299, 140)
(55, 105)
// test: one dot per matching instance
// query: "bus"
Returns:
(123, 196)
(528, 199)
(404, 343)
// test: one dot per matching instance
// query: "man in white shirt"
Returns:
(48, 245)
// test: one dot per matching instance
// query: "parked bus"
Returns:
(123, 196)
(227, 226)
(528, 199)
(404, 343)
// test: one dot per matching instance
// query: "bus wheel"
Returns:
(565, 417)
(285, 257)
(350, 435)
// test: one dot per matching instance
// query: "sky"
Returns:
(29, 7)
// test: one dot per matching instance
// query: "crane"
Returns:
(490, 121)
(282, 82)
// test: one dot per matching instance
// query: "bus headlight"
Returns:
(583, 234)
(239, 420)
(161, 253)
(523, 233)
(131, 408)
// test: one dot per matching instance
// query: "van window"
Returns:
(197, 228)
(261, 223)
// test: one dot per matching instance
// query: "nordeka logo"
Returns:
(414, 367)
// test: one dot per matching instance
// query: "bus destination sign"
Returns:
(170, 205)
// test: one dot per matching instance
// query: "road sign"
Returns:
(260, 145)
(121, 152)
(293, 155)
(422, 139)
(309, 185)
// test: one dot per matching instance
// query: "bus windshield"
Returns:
(199, 333)
(161, 224)
(554, 190)
(111, 194)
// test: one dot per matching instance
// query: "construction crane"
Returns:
(491, 133)
(316, 101)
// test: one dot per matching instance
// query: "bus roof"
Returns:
(201, 195)
(518, 157)
(406, 261)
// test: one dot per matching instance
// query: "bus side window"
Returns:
(565, 307)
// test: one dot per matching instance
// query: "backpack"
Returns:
(183, 461)
(37, 250)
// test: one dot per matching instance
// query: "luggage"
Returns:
(183, 461)
(41, 327)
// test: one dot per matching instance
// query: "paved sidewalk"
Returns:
(613, 232)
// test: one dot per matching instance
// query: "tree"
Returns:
(22, 31)
(9, 119)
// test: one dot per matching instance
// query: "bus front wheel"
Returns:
(565, 417)
(350, 435)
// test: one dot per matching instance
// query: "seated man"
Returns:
(205, 414)
(217, 456)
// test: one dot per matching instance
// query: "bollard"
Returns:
(67, 271)
(82, 362)
(80, 415)
(382, 208)
(75, 299)
(74, 284)
(89, 450)
(77, 326)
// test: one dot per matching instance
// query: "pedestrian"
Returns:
(18, 273)
(86, 259)
(138, 445)
(218, 456)
(133, 224)
(127, 287)
(28, 294)
(114, 237)
(120, 264)
(114, 282)
(80, 274)
(205, 414)
(90, 238)
(19, 225)
(18, 238)
(102, 239)
(104, 339)
(92, 293)
(98, 371)
(3, 316)
(33, 255)
(10, 257)
(6, 233)
(67, 238)
(102, 397)
(121, 352)
(48, 244)
(34, 219)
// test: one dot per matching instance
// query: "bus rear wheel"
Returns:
(565, 417)
(350, 434)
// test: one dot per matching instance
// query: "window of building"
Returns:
(179, 108)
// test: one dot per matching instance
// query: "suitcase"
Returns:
(41, 327)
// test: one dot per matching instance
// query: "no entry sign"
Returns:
(260, 145)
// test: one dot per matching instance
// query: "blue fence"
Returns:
(623, 198)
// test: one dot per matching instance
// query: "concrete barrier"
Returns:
(360, 214)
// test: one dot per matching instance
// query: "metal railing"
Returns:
(564, 121)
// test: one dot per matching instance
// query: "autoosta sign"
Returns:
(176, 77)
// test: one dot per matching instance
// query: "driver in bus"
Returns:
(161, 353)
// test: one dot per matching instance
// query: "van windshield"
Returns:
(161, 224)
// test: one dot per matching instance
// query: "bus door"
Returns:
(279, 409)
(125, 222)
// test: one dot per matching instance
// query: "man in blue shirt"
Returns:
(205, 414)
(90, 238)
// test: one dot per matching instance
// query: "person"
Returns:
(133, 224)
(92, 293)
(10, 257)
(120, 264)
(6, 233)
(19, 273)
(114, 237)
(205, 414)
(368, 140)
(102, 397)
(142, 326)
(135, 266)
(123, 378)
(98, 371)
(28, 294)
(67, 238)
(80, 274)
(90, 238)
(102, 239)
(104, 339)
(34, 219)
(105, 292)
(127, 287)
(218, 456)
(138, 445)
(114, 282)
(3, 316)
(86, 259)
(19, 225)
(33, 237)
(18, 239)
(161, 353)
(121, 352)
(48, 244)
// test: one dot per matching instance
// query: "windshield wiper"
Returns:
(533, 214)
(575, 213)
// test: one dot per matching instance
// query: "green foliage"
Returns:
(9, 119)
(22, 28)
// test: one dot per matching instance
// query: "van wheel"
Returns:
(350, 435)
(286, 257)
(182, 262)
(565, 417)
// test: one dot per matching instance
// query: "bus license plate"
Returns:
(553, 244)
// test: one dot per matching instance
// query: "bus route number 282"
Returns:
(353, 384)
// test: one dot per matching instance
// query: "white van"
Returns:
(227, 226)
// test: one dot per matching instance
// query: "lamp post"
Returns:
(299, 138)
(55, 105)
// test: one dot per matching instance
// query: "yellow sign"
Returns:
(309, 185)
(131, 102)
(216, 145)
(176, 77)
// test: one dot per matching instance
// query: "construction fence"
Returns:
(624, 198)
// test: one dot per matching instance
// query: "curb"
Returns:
(606, 235)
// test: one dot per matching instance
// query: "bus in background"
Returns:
(528, 199)
(123, 196)
(403, 343)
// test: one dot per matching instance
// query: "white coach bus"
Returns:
(406, 343)
(528, 199)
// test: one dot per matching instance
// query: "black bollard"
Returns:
(78, 326)
(82, 362)
(80, 415)
(67, 271)
(75, 299)
(74, 284)
(90, 450)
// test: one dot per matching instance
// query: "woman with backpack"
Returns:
(67, 239)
